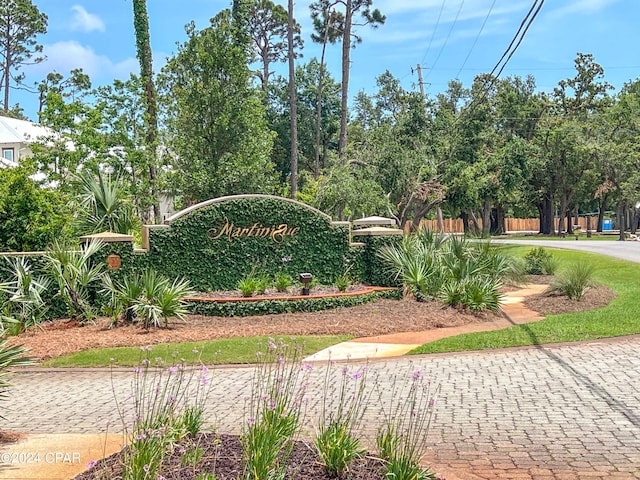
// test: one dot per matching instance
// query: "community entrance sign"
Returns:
(217, 243)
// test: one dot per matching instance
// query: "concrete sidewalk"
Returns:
(394, 345)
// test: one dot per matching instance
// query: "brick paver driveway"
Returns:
(553, 412)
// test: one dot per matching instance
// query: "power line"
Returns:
(477, 37)
(455, 20)
(435, 29)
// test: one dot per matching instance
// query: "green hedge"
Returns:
(374, 269)
(271, 307)
(185, 249)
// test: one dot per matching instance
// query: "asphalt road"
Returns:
(624, 250)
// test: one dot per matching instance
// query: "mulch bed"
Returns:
(222, 456)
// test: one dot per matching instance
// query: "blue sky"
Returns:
(449, 38)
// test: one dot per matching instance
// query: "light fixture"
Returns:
(305, 279)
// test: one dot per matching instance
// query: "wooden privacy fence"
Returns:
(455, 225)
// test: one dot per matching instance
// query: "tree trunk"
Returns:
(486, 218)
(316, 165)
(569, 223)
(621, 220)
(474, 225)
(465, 222)
(562, 214)
(546, 215)
(293, 105)
(440, 220)
(143, 47)
(501, 227)
(601, 214)
(346, 54)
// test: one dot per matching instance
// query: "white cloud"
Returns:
(84, 21)
(65, 56)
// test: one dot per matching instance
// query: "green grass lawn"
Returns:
(621, 317)
(223, 351)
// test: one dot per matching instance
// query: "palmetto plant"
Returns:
(10, 356)
(452, 269)
(22, 305)
(104, 205)
(149, 296)
(76, 275)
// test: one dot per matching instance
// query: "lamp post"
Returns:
(305, 279)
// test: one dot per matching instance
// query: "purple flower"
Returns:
(251, 420)
(271, 345)
(146, 468)
(92, 464)
(416, 375)
(272, 404)
(307, 367)
(357, 375)
(173, 369)
(137, 369)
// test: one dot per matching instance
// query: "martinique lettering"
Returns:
(277, 233)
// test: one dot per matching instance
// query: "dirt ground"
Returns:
(381, 317)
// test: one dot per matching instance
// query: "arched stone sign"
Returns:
(217, 243)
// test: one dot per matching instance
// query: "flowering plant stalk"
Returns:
(402, 438)
(168, 404)
(274, 410)
(336, 437)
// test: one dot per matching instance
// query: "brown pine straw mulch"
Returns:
(384, 316)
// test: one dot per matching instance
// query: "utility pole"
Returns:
(438, 209)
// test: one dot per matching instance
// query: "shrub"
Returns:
(402, 438)
(76, 275)
(343, 281)
(10, 356)
(282, 281)
(168, 404)
(262, 283)
(451, 269)
(248, 286)
(149, 296)
(22, 305)
(540, 262)
(573, 282)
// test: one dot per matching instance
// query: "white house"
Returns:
(16, 137)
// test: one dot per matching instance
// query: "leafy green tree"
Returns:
(352, 13)
(20, 23)
(353, 9)
(328, 26)
(278, 114)
(216, 127)
(268, 27)
(77, 84)
(31, 216)
(123, 113)
(392, 133)
(618, 149)
(566, 131)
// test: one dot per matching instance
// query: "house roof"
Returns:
(13, 130)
